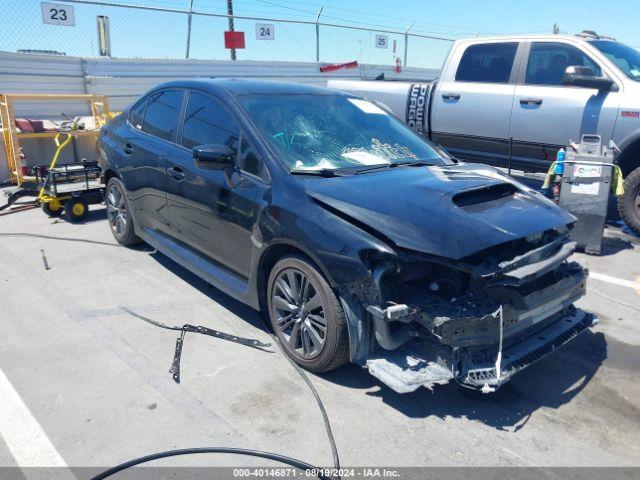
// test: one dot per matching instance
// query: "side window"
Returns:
(162, 114)
(249, 161)
(488, 63)
(136, 115)
(548, 62)
(207, 122)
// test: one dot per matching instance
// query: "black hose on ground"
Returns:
(16, 195)
(273, 456)
(191, 451)
(303, 375)
(323, 411)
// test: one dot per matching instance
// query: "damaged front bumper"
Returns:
(422, 362)
(515, 316)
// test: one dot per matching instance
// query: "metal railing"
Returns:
(154, 31)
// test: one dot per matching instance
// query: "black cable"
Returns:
(303, 375)
(191, 451)
(51, 237)
(323, 411)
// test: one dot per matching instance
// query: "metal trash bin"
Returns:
(585, 189)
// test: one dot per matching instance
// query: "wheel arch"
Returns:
(274, 252)
(109, 174)
(629, 159)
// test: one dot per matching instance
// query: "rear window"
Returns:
(162, 114)
(136, 115)
(487, 63)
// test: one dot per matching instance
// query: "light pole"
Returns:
(230, 18)
(189, 28)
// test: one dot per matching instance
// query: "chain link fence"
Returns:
(173, 29)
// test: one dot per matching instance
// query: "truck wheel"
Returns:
(76, 210)
(306, 316)
(629, 203)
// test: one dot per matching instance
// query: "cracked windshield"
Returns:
(331, 132)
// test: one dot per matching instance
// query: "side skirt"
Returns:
(219, 277)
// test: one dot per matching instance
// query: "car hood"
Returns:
(451, 211)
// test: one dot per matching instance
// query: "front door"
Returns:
(213, 210)
(472, 107)
(547, 114)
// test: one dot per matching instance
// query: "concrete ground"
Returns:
(89, 384)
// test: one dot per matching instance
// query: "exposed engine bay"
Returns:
(478, 320)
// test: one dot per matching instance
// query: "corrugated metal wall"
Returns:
(122, 80)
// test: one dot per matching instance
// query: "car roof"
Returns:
(242, 86)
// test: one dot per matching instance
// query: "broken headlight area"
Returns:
(478, 320)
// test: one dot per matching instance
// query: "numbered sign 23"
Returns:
(265, 31)
(56, 14)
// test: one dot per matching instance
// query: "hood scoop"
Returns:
(484, 194)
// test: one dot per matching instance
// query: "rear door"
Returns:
(548, 114)
(472, 107)
(150, 139)
(214, 211)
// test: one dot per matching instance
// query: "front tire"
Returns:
(306, 316)
(629, 203)
(52, 209)
(119, 214)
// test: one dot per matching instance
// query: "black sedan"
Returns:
(359, 239)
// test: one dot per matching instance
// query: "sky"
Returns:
(137, 33)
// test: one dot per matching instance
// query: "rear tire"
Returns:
(306, 315)
(629, 203)
(76, 210)
(119, 214)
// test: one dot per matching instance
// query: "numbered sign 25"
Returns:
(56, 14)
(382, 41)
(265, 31)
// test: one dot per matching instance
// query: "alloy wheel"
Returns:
(300, 313)
(116, 210)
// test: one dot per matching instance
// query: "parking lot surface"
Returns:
(88, 385)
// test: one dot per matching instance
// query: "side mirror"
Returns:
(579, 76)
(213, 156)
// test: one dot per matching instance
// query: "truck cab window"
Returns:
(207, 122)
(163, 112)
(548, 62)
(487, 63)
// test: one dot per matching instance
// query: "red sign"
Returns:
(233, 39)
(631, 114)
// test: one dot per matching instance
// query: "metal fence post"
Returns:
(190, 15)
(318, 34)
(406, 42)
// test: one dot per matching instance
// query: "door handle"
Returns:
(530, 101)
(128, 149)
(176, 173)
(451, 96)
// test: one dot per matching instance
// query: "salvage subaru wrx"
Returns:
(358, 238)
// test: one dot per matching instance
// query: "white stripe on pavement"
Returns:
(22, 433)
(616, 281)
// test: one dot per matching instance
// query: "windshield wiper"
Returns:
(372, 168)
(411, 163)
(322, 172)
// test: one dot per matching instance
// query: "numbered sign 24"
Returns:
(265, 31)
(56, 14)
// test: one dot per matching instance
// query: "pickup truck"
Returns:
(525, 97)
